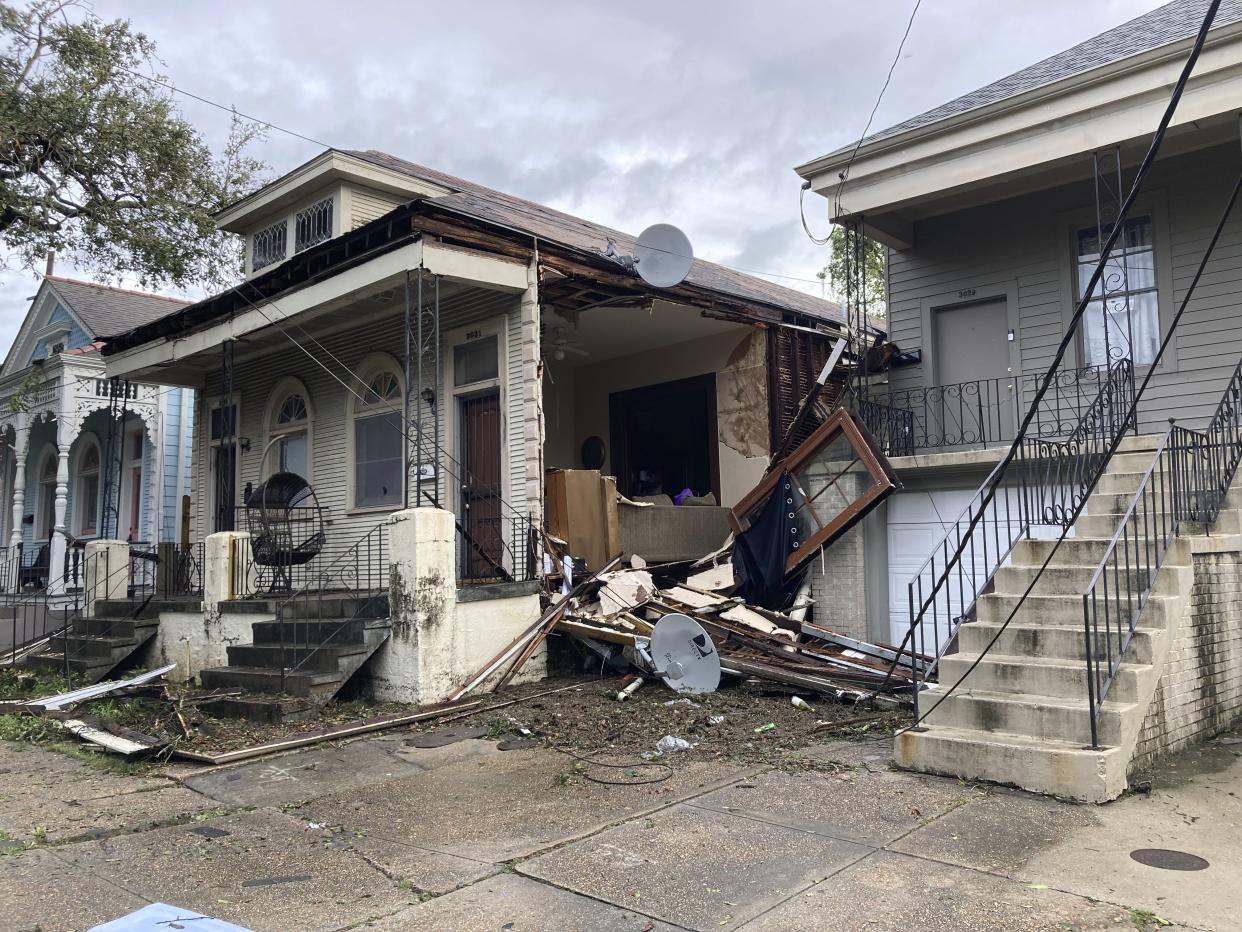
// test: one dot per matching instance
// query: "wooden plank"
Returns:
(580, 629)
(125, 745)
(530, 648)
(329, 734)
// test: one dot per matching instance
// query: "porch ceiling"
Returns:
(611, 332)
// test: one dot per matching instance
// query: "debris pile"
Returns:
(613, 611)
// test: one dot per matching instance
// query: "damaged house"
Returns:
(415, 370)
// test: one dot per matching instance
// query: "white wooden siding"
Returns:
(254, 380)
(367, 205)
(1025, 242)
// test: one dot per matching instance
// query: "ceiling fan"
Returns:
(558, 345)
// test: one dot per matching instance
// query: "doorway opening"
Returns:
(664, 438)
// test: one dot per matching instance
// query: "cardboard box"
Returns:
(582, 511)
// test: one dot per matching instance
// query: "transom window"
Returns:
(383, 388)
(293, 409)
(269, 246)
(1123, 316)
(313, 225)
(291, 433)
(475, 361)
(377, 442)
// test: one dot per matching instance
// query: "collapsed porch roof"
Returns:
(572, 268)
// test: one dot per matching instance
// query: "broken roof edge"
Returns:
(401, 226)
(919, 128)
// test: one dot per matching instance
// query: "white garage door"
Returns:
(917, 524)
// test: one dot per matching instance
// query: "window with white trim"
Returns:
(290, 433)
(269, 246)
(313, 225)
(1122, 319)
(377, 442)
(45, 517)
(86, 494)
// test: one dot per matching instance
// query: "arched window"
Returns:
(376, 436)
(45, 509)
(289, 427)
(86, 493)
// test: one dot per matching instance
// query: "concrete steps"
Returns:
(318, 656)
(95, 646)
(1018, 713)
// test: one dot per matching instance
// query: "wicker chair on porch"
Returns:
(285, 522)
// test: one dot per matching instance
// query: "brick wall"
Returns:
(1200, 691)
(838, 586)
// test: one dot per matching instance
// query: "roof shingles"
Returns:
(106, 311)
(1162, 26)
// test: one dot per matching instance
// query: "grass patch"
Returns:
(32, 729)
(1144, 920)
(29, 683)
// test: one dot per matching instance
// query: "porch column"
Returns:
(58, 545)
(532, 394)
(21, 443)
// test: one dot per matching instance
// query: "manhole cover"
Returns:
(443, 736)
(1169, 860)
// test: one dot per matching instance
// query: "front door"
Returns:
(973, 402)
(483, 540)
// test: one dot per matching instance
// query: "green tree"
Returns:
(842, 242)
(97, 163)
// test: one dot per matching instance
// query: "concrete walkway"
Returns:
(380, 834)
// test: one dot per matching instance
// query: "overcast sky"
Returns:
(626, 113)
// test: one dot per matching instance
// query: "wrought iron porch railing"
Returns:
(982, 412)
(500, 549)
(353, 586)
(1043, 485)
(1187, 480)
(892, 427)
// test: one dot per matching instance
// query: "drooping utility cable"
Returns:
(821, 241)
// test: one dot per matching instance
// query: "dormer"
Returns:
(332, 194)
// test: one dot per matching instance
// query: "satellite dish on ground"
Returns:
(664, 255)
(682, 654)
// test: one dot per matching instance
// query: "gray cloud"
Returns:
(691, 112)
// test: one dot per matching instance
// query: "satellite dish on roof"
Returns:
(664, 255)
(682, 654)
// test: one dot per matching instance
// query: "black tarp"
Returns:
(760, 552)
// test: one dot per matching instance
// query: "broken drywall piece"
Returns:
(713, 579)
(751, 619)
(625, 590)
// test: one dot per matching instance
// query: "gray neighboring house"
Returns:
(991, 206)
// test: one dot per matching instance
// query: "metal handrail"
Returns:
(352, 571)
(1043, 485)
(1189, 476)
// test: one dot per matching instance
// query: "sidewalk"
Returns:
(381, 834)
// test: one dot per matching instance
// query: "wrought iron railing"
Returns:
(499, 549)
(893, 427)
(1043, 485)
(981, 412)
(1187, 480)
(352, 587)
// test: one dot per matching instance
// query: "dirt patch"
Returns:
(731, 724)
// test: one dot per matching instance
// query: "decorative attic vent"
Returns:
(313, 225)
(269, 246)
